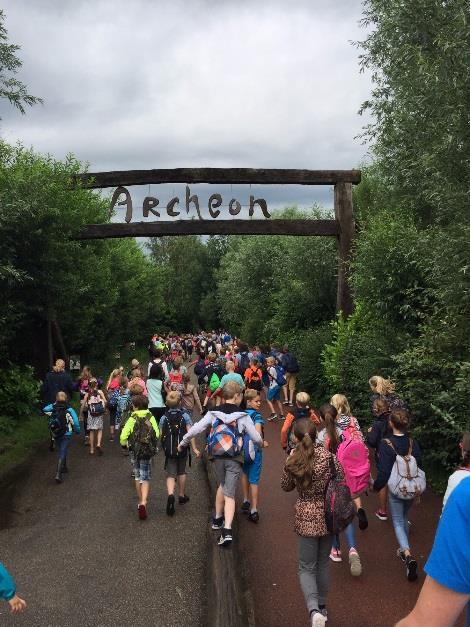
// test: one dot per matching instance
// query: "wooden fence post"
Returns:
(344, 216)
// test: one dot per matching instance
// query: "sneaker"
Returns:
(411, 569)
(272, 417)
(217, 523)
(318, 620)
(401, 555)
(323, 611)
(225, 537)
(286, 403)
(183, 499)
(282, 417)
(253, 516)
(170, 505)
(142, 512)
(381, 515)
(335, 555)
(362, 517)
(245, 507)
(355, 563)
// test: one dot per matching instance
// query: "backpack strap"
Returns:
(410, 448)
(387, 441)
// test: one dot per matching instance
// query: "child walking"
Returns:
(141, 434)
(95, 401)
(226, 423)
(63, 421)
(252, 470)
(174, 424)
(308, 468)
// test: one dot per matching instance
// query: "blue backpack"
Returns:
(113, 399)
(280, 377)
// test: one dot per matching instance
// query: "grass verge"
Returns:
(15, 447)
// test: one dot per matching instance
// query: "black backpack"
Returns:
(58, 420)
(200, 368)
(144, 441)
(290, 363)
(173, 431)
(244, 363)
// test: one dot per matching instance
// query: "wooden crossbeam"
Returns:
(215, 227)
(236, 176)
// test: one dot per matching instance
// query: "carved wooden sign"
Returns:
(191, 202)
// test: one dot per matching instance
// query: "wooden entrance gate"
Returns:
(342, 227)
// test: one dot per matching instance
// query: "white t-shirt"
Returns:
(272, 377)
(454, 480)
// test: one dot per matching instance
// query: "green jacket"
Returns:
(129, 426)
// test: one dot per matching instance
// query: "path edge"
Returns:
(229, 600)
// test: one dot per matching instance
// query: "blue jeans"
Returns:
(399, 509)
(62, 445)
(350, 537)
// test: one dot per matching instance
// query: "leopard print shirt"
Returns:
(309, 507)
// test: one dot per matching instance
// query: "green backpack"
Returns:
(144, 441)
(214, 382)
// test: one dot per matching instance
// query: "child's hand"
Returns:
(197, 452)
(17, 604)
(265, 444)
(369, 429)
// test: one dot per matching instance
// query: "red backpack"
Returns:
(176, 380)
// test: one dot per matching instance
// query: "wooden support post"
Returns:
(344, 216)
(50, 348)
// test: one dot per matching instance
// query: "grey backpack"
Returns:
(406, 481)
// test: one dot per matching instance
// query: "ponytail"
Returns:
(300, 462)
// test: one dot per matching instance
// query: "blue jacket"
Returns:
(7, 585)
(73, 425)
(387, 457)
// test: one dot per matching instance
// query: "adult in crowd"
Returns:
(446, 589)
(57, 380)
(291, 367)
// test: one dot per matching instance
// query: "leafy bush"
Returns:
(19, 393)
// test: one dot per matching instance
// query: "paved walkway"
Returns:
(379, 598)
(81, 557)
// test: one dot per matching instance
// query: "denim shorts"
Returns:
(142, 469)
(274, 394)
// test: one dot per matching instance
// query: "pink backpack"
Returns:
(353, 456)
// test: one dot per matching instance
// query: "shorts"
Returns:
(216, 393)
(112, 416)
(274, 394)
(142, 469)
(228, 473)
(175, 467)
(253, 470)
(291, 380)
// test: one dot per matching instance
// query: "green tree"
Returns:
(11, 88)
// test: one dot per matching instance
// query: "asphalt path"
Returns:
(81, 557)
(378, 598)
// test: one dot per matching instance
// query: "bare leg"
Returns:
(357, 502)
(245, 486)
(271, 406)
(219, 502)
(99, 437)
(92, 441)
(279, 406)
(170, 485)
(284, 392)
(144, 492)
(229, 511)
(138, 490)
(181, 484)
(383, 499)
(254, 496)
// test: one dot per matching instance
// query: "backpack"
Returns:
(280, 378)
(143, 438)
(173, 431)
(249, 447)
(244, 363)
(95, 406)
(224, 439)
(176, 380)
(214, 382)
(353, 455)
(199, 368)
(339, 508)
(113, 399)
(291, 364)
(58, 420)
(406, 480)
(255, 378)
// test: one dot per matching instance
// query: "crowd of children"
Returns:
(155, 406)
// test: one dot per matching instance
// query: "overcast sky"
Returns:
(180, 83)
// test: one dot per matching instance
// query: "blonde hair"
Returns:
(61, 397)
(135, 389)
(340, 403)
(59, 365)
(173, 398)
(231, 389)
(115, 373)
(270, 360)
(92, 383)
(302, 399)
(251, 394)
(381, 386)
(230, 365)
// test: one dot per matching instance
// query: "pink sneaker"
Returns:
(335, 555)
(381, 515)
